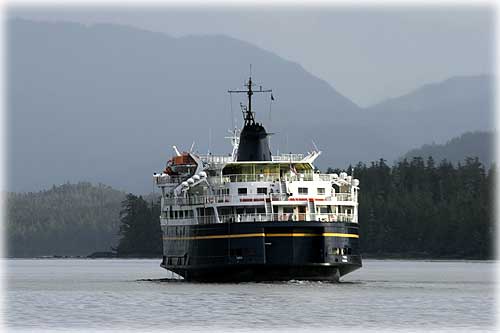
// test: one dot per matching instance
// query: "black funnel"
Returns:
(254, 144)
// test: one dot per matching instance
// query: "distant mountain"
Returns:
(105, 103)
(434, 113)
(70, 219)
(470, 144)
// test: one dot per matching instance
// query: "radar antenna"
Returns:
(248, 115)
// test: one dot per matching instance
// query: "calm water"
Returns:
(108, 294)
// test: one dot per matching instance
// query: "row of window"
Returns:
(244, 190)
(186, 214)
(222, 191)
(328, 210)
(181, 214)
(263, 190)
(250, 210)
(305, 190)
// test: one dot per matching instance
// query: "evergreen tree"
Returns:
(67, 220)
(418, 208)
(140, 228)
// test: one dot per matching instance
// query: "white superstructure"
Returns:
(218, 189)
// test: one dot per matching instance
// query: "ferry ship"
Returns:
(254, 216)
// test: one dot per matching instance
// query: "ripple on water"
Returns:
(138, 295)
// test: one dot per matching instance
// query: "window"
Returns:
(261, 190)
(223, 191)
(321, 191)
(242, 191)
(303, 190)
(249, 210)
(323, 210)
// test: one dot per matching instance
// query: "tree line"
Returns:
(422, 209)
(65, 220)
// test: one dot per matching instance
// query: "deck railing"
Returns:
(239, 178)
(343, 197)
(168, 180)
(271, 177)
(227, 158)
(291, 217)
(214, 199)
(288, 157)
(217, 159)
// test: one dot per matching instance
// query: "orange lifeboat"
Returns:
(180, 164)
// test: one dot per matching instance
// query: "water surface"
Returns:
(117, 294)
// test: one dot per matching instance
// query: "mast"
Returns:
(253, 144)
(248, 115)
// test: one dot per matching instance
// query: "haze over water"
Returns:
(59, 294)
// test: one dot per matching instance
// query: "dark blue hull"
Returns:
(262, 251)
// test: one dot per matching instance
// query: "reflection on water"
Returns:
(139, 295)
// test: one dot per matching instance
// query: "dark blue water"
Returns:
(118, 295)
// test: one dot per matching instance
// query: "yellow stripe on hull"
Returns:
(324, 234)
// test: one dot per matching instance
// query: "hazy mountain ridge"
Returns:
(435, 112)
(438, 94)
(470, 144)
(102, 96)
(105, 103)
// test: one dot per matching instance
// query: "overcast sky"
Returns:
(367, 54)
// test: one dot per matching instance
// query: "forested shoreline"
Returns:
(414, 209)
(428, 210)
(65, 220)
